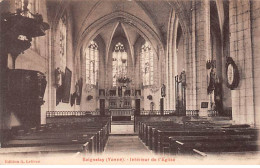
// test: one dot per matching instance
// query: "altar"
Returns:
(122, 114)
(120, 102)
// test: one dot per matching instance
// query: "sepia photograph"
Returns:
(129, 82)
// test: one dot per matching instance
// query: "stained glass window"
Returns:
(119, 62)
(147, 64)
(92, 59)
(63, 42)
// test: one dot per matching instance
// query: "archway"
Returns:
(219, 94)
(180, 73)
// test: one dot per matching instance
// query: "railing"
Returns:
(121, 112)
(169, 112)
(192, 112)
(212, 113)
(150, 112)
(107, 112)
(158, 112)
(70, 113)
(228, 113)
(116, 107)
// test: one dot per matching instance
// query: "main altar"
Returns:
(121, 103)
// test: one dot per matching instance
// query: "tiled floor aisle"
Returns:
(126, 145)
(122, 129)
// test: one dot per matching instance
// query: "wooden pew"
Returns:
(96, 132)
(145, 128)
(94, 135)
(73, 148)
(83, 137)
(163, 136)
(155, 134)
(186, 144)
(222, 146)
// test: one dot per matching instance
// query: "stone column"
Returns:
(190, 42)
(255, 19)
(243, 111)
(167, 60)
(202, 51)
(193, 55)
(174, 63)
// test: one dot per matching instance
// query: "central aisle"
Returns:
(122, 127)
(126, 145)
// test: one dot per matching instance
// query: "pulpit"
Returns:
(25, 95)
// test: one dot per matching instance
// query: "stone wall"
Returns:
(255, 34)
(241, 52)
(156, 99)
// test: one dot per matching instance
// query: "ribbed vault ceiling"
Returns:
(155, 14)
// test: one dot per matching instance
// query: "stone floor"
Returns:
(126, 145)
(122, 129)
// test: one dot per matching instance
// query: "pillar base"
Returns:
(203, 112)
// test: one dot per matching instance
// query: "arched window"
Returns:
(92, 58)
(147, 64)
(63, 42)
(119, 62)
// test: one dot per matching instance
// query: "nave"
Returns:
(126, 146)
(174, 137)
(94, 77)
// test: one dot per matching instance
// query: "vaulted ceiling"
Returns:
(148, 19)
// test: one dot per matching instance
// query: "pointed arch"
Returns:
(129, 42)
(140, 26)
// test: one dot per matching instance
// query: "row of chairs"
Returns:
(72, 138)
(199, 138)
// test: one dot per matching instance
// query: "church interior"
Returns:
(167, 78)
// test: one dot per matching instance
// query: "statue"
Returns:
(163, 93)
(211, 85)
